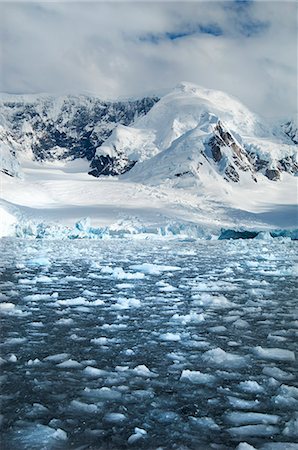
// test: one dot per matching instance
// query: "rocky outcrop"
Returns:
(229, 153)
(70, 127)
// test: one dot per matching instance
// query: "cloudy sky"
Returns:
(246, 48)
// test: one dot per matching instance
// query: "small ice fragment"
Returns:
(6, 306)
(277, 373)
(41, 261)
(197, 377)
(274, 354)
(251, 387)
(58, 357)
(154, 269)
(192, 317)
(126, 303)
(291, 428)
(245, 446)
(254, 430)
(73, 301)
(114, 417)
(38, 436)
(12, 358)
(103, 393)
(99, 341)
(172, 337)
(250, 418)
(219, 358)
(70, 364)
(83, 407)
(204, 423)
(93, 372)
(143, 371)
(139, 433)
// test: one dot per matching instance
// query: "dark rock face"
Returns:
(106, 165)
(291, 130)
(272, 174)
(67, 127)
(223, 142)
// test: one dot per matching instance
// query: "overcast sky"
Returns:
(246, 48)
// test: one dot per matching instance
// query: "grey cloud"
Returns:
(98, 47)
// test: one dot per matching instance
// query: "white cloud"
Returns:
(121, 49)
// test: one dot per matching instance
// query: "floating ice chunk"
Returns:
(114, 326)
(64, 322)
(7, 306)
(139, 433)
(36, 297)
(89, 293)
(26, 281)
(12, 358)
(167, 288)
(250, 418)
(251, 387)
(165, 416)
(154, 269)
(218, 329)
(245, 446)
(38, 410)
(10, 309)
(103, 393)
(45, 279)
(241, 403)
(289, 391)
(291, 428)
(97, 302)
(240, 323)
(13, 341)
(171, 337)
(277, 373)
(214, 301)
(254, 430)
(99, 341)
(126, 303)
(83, 407)
(34, 362)
(143, 371)
(279, 446)
(192, 317)
(114, 417)
(73, 302)
(58, 357)
(274, 354)
(125, 286)
(119, 274)
(219, 358)
(94, 372)
(70, 278)
(70, 364)
(204, 423)
(197, 377)
(37, 436)
(41, 261)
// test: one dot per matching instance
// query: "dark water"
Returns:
(93, 349)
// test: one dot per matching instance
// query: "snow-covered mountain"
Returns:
(193, 162)
(47, 128)
(202, 133)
